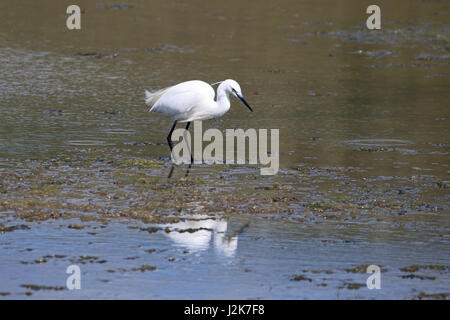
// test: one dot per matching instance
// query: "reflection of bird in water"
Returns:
(196, 235)
(224, 244)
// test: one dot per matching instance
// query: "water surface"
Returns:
(364, 151)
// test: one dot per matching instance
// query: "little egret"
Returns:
(193, 100)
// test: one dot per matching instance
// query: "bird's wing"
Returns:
(180, 99)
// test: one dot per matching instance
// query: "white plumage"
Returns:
(193, 100)
(184, 102)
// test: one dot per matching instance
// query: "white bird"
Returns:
(193, 100)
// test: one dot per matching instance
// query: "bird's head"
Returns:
(232, 87)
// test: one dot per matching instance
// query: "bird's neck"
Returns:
(223, 100)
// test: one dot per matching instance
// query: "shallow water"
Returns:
(217, 263)
(364, 151)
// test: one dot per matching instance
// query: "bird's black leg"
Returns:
(187, 129)
(169, 140)
(171, 171)
(169, 137)
(192, 159)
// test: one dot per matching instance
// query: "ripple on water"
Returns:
(377, 142)
(120, 131)
(87, 143)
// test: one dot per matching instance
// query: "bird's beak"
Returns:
(244, 101)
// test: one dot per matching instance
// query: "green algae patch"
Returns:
(354, 286)
(415, 268)
(4, 229)
(412, 268)
(150, 229)
(141, 163)
(35, 287)
(416, 276)
(41, 260)
(433, 296)
(88, 218)
(144, 267)
(28, 203)
(362, 269)
(87, 259)
(45, 190)
(358, 269)
(321, 271)
(300, 277)
(54, 256)
(325, 206)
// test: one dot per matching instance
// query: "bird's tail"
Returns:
(152, 97)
